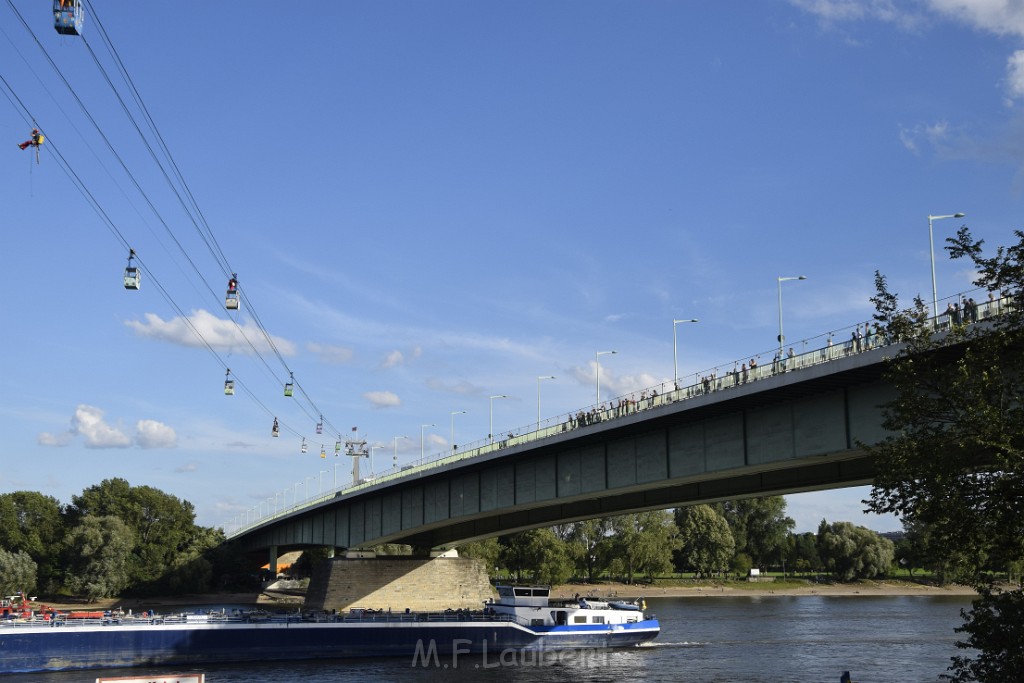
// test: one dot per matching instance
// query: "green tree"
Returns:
(163, 526)
(34, 523)
(740, 565)
(538, 555)
(17, 572)
(487, 551)
(759, 527)
(590, 546)
(99, 557)
(803, 553)
(707, 541)
(993, 627)
(854, 552)
(643, 543)
(954, 457)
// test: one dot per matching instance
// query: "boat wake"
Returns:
(683, 644)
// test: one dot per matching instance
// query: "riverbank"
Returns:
(754, 588)
(294, 599)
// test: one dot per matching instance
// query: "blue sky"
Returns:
(432, 203)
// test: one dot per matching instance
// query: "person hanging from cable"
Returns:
(36, 140)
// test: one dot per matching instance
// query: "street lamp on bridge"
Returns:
(490, 423)
(782, 337)
(675, 353)
(421, 439)
(394, 457)
(454, 413)
(931, 246)
(597, 358)
(372, 449)
(542, 377)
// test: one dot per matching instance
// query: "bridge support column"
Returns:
(272, 563)
(399, 583)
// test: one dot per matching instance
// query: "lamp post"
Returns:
(421, 440)
(394, 457)
(454, 413)
(675, 352)
(931, 246)
(320, 489)
(490, 423)
(307, 486)
(782, 338)
(336, 474)
(597, 358)
(372, 449)
(542, 377)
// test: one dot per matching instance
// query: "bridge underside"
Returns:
(788, 434)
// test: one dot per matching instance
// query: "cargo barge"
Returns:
(521, 620)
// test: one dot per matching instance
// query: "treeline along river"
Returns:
(768, 639)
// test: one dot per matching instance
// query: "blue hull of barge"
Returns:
(35, 648)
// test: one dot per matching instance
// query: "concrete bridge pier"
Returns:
(398, 583)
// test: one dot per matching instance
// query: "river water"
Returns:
(765, 639)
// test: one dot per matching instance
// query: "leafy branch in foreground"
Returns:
(954, 459)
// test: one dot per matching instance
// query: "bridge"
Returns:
(790, 426)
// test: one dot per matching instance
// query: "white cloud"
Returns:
(912, 137)
(382, 399)
(834, 11)
(1015, 75)
(88, 422)
(61, 439)
(331, 354)
(612, 385)
(396, 358)
(393, 359)
(218, 333)
(153, 434)
(1001, 17)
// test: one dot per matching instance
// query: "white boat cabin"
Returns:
(533, 605)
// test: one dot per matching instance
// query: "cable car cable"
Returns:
(156, 132)
(97, 207)
(76, 180)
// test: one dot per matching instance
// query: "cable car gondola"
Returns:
(68, 16)
(323, 452)
(320, 425)
(229, 384)
(290, 385)
(231, 298)
(275, 430)
(132, 275)
(337, 448)
(303, 449)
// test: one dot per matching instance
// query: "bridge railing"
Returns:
(823, 348)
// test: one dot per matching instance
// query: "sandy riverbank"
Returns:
(291, 600)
